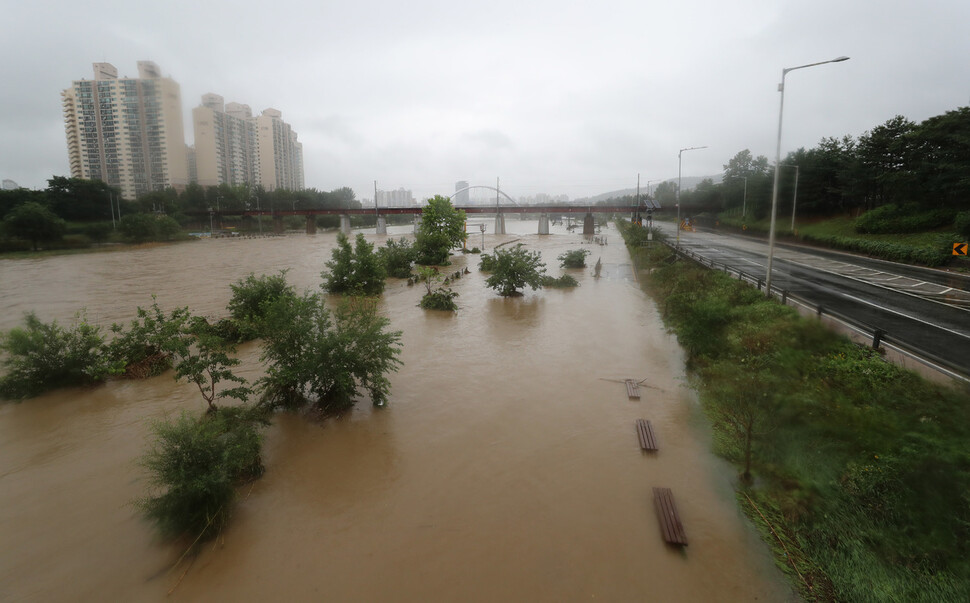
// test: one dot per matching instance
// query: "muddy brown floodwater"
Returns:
(505, 467)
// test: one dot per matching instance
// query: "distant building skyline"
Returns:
(398, 198)
(128, 132)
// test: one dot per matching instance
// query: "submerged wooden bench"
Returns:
(670, 525)
(632, 389)
(648, 441)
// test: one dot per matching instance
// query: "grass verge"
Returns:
(856, 471)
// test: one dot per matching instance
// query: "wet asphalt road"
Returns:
(923, 310)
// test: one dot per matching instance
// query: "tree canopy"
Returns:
(514, 269)
(442, 228)
(33, 222)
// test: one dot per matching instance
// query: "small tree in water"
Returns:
(315, 356)
(436, 298)
(514, 268)
(357, 271)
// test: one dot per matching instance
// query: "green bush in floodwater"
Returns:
(194, 465)
(42, 356)
(250, 299)
(575, 258)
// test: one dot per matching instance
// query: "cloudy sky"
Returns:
(550, 96)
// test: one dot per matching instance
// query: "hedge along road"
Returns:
(924, 310)
(505, 467)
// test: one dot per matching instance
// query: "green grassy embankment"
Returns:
(858, 471)
(929, 248)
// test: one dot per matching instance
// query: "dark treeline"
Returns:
(925, 166)
(73, 212)
(79, 200)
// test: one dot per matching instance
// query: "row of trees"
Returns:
(900, 162)
(90, 211)
(80, 200)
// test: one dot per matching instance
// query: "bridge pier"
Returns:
(543, 223)
(500, 223)
(345, 224)
(589, 225)
(417, 223)
(311, 224)
(382, 225)
(277, 224)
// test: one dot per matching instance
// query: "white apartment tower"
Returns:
(126, 131)
(225, 142)
(233, 147)
(280, 156)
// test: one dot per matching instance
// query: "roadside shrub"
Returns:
(397, 257)
(575, 258)
(962, 224)
(939, 255)
(250, 299)
(194, 465)
(895, 219)
(42, 356)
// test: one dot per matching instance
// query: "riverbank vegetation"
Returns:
(855, 471)
(314, 356)
(74, 213)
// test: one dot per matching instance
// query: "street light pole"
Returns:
(679, 163)
(774, 188)
(794, 197)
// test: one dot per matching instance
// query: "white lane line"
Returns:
(904, 315)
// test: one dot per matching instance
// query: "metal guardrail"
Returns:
(877, 336)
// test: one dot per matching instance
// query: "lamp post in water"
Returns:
(679, 163)
(774, 189)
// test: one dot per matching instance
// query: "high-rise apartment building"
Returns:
(461, 193)
(233, 147)
(126, 131)
(280, 155)
(402, 197)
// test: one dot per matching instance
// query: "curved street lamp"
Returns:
(774, 189)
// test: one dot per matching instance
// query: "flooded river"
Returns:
(504, 468)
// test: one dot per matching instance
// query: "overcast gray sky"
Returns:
(550, 96)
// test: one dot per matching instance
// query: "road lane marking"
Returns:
(904, 315)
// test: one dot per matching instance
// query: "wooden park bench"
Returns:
(670, 525)
(632, 389)
(648, 441)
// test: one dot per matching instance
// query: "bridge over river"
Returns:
(499, 211)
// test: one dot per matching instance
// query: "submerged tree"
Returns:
(354, 271)
(315, 356)
(513, 269)
(436, 297)
(40, 356)
(442, 228)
